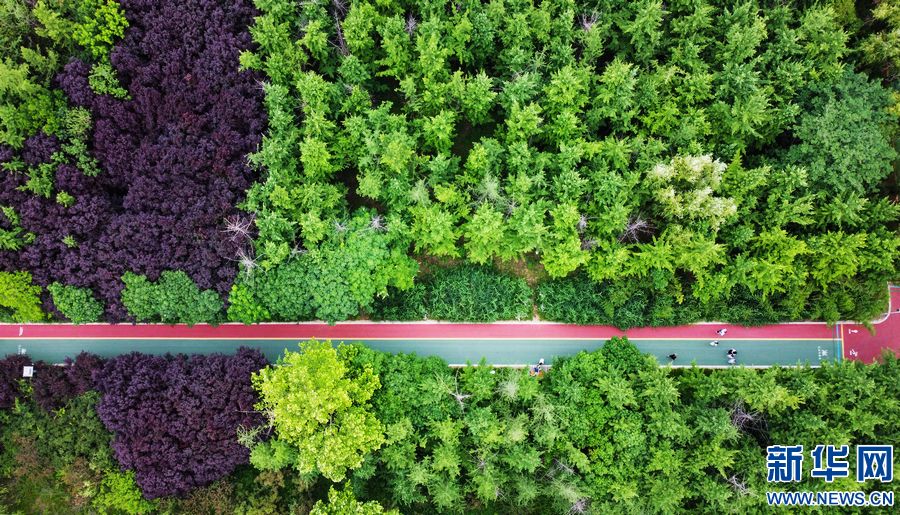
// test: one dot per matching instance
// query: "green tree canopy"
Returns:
(320, 409)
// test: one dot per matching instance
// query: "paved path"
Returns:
(861, 345)
(501, 343)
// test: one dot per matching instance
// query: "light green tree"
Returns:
(835, 256)
(563, 249)
(19, 299)
(614, 102)
(343, 502)
(320, 408)
(483, 233)
(524, 122)
(478, 98)
(433, 230)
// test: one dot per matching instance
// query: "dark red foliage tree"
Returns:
(172, 157)
(39, 149)
(52, 387)
(55, 385)
(81, 371)
(175, 418)
(10, 373)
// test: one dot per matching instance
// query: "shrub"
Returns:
(283, 293)
(76, 304)
(174, 298)
(334, 281)
(622, 355)
(411, 304)
(467, 293)
(478, 294)
(216, 499)
(100, 24)
(636, 303)
(175, 418)
(74, 432)
(52, 461)
(575, 300)
(118, 492)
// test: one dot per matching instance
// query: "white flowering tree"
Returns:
(684, 191)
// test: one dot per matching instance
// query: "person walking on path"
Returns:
(722, 331)
(539, 368)
(673, 356)
(714, 343)
(732, 356)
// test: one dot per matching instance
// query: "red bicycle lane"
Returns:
(862, 345)
(858, 342)
(411, 330)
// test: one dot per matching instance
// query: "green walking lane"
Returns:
(458, 351)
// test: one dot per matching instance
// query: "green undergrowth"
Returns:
(465, 293)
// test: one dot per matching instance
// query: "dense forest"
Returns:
(613, 161)
(329, 429)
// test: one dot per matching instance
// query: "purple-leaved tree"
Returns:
(10, 373)
(172, 157)
(55, 385)
(175, 418)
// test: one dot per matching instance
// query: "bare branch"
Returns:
(580, 506)
(247, 261)
(456, 394)
(340, 7)
(460, 398)
(341, 44)
(582, 223)
(739, 485)
(589, 20)
(741, 417)
(238, 228)
(297, 250)
(377, 223)
(635, 229)
(565, 469)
